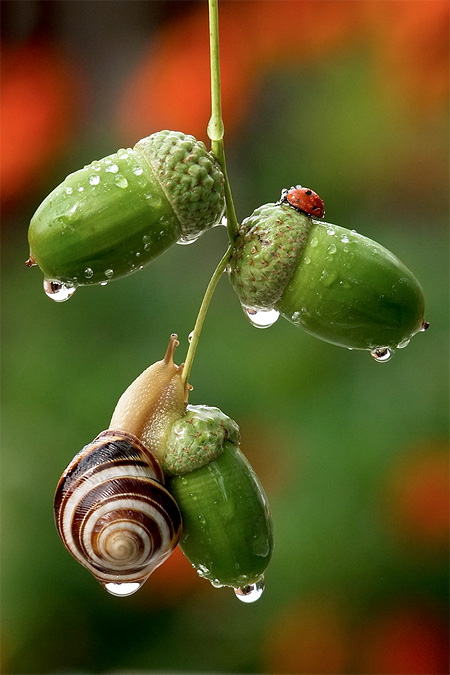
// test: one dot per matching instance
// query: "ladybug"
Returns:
(303, 199)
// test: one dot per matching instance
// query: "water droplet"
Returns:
(81, 189)
(68, 190)
(103, 283)
(307, 260)
(404, 343)
(112, 168)
(147, 242)
(88, 272)
(190, 336)
(121, 181)
(425, 326)
(138, 170)
(216, 583)
(121, 590)
(94, 180)
(314, 241)
(250, 593)
(57, 291)
(344, 239)
(109, 273)
(381, 354)
(331, 249)
(138, 253)
(261, 318)
(331, 232)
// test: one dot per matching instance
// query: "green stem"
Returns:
(195, 335)
(216, 128)
(215, 133)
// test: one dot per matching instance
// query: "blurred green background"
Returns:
(351, 99)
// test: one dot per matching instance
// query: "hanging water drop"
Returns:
(381, 354)
(122, 590)
(261, 318)
(57, 291)
(190, 336)
(425, 325)
(404, 343)
(250, 593)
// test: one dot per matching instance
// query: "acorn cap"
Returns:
(266, 253)
(197, 438)
(190, 178)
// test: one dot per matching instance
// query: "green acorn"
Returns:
(115, 215)
(333, 282)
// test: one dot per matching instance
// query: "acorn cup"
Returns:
(333, 282)
(116, 214)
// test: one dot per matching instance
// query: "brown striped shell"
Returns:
(114, 514)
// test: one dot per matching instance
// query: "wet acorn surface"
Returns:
(351, 291)
(227, 530)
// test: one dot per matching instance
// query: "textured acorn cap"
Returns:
(197, 438)
(190, 178)
(266, 252)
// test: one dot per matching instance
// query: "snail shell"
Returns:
(113, 512)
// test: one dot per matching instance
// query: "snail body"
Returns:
(114, 514)
(333, 282)
(117, 214)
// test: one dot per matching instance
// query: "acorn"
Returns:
(117, 214)
(334, 283)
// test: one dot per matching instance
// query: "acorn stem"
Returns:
(216, 127)
(195, 335)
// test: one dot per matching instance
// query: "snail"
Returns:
(227, 529)
(114, 514)
(116, 214)
(333, 282)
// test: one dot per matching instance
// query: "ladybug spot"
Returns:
(308, 192)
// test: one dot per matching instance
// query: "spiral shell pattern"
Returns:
(112, 511)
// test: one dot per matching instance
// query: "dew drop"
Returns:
(331, 249)
(261, 318)
(88, 272)
(109, 273)
(250, 593)
(404, 343)
(424, 327)
(112, 168)
(307, 260)
(190, 336)
(94, 179)
(57, 291)
(68, 190)
(344, 239)
(121, 181)
(81, 189)
(138, 170)
(314, 241)
(381, 354)
(121, 590)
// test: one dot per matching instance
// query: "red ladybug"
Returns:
(303, 199)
